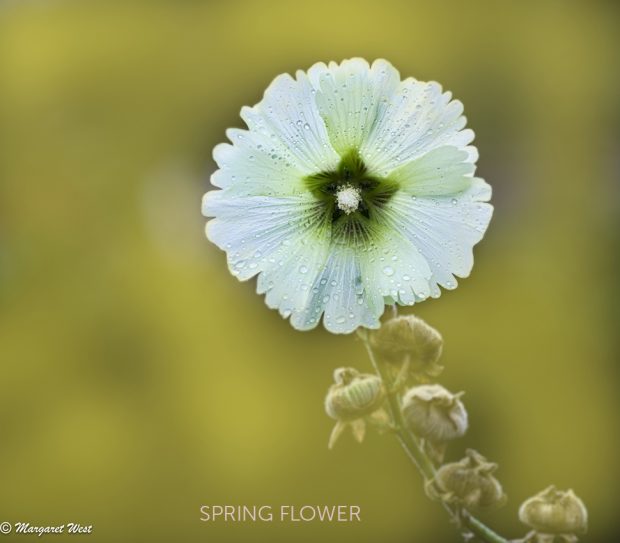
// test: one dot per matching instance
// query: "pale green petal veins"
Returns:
(440, 172)
(444, 229)
(351, 96)
(417, 119)
(255, 166)
(289, 116)
(257, 231)
(395, 267)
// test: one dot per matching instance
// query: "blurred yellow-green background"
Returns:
(139, 380)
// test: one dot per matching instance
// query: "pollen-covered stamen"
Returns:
(348, 198)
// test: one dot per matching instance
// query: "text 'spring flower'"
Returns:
(350, 190)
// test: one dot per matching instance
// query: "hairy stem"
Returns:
(420, 459)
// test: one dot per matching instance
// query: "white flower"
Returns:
(350, 190)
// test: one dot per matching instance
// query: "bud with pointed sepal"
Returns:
(353, 399)
(554, 511)
(469, 482)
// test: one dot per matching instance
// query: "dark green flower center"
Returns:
(351, 196)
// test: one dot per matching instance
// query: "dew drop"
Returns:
(388, 270)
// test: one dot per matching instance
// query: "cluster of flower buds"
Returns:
(410, 349)
(556, 516)
(408, 341)
(353, 399)
(468, 483)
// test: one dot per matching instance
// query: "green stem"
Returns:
(416, 453)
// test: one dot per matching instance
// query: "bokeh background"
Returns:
(140, 380)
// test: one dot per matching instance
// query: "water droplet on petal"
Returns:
(388, 270)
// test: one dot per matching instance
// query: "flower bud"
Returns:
(470, 482)
(409, 338)
(555, 511)
(353, 399)
(354, 395)
(434, 413)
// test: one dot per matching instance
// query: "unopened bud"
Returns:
(352, 400)
(434, 413)
(353, 395)
(409, 339)
(555, 511)
(470, 482)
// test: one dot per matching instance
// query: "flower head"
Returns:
(351, 189)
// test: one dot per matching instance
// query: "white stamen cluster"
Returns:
(348, 199)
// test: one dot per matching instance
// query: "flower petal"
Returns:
(394, 267)
(322, 281)
(348, 303)
(417, 119)
(444, 229)
(290, 285)
(256, 231)
(352, 96)
(256, 165)
(288, 114)
(440, 172)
